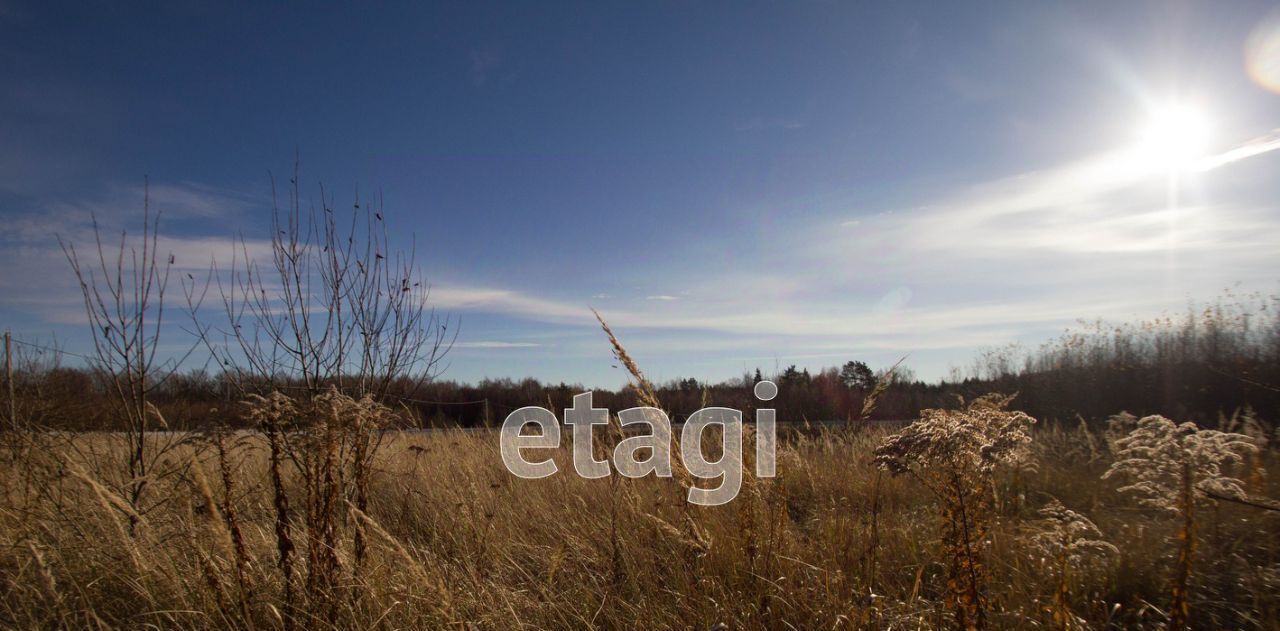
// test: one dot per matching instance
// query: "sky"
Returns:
(731, 184)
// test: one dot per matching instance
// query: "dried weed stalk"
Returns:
(330, 442)
(955, 454)
(1174, 468)
(1066, 543)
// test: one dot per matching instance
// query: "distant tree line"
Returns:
(1209, 360)
(1205, 362)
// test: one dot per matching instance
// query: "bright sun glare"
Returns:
(1174, 138)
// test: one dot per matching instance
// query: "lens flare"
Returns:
(1262, 52)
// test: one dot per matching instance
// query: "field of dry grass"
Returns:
(449, 539)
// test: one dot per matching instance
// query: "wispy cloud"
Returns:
(1258, 146)
(38, 279)
(1014, 257)
(507, 301)
(1108, 202)
(495, 344)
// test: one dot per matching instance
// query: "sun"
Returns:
(1175, 137)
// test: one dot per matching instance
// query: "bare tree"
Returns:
(124, 300)
(333, 306)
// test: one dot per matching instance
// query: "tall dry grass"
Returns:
(451, 540)
(318, 518)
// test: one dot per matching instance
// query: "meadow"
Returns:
(333, 525)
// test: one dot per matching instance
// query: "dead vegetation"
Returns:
(308, 523)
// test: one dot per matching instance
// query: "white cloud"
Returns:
(1110, 203)
(495, 344)
(1015, 257)
(507, 301)
(38, 278)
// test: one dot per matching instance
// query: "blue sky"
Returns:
(733, 184)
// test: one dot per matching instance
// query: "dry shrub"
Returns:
(955, 454)
(1067, 545)
(1172, 467)
(330, 442)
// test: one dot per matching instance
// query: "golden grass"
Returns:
(454, 541)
